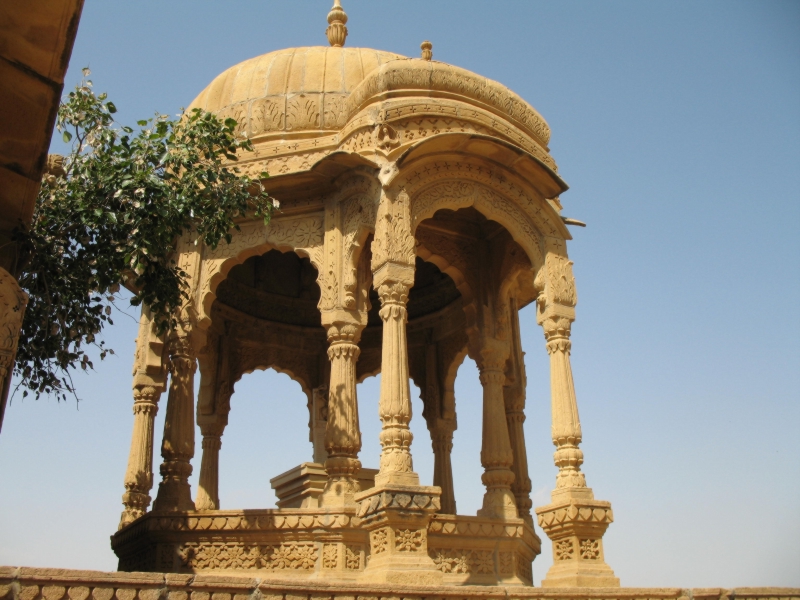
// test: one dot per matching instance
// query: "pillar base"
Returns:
(562, 575)
(575, 523)
(397, 519)
(499, 504)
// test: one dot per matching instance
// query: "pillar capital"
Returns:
(393, 280)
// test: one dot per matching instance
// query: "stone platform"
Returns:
(23, 583)
(318, 544)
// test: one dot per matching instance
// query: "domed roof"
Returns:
(296, 92)
(293, 89)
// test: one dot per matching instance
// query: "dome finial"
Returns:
(427, 50)
(336, 31)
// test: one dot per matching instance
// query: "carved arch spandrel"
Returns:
(301, 366)
(457, 194)
(449, 257)
(303, 235)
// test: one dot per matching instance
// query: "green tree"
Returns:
(112, 218)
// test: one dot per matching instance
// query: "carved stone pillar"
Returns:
(393, 261)
(574, 521)
(139, 475)
(442, 442)
(177, 447)
(13, 301)
(496, 454)
(396, 465)
(208, 485)
(342, 434)
(319, 423)
(514, 391)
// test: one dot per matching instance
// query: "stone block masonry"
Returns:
(24, 583)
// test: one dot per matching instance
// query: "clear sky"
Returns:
(677, 125)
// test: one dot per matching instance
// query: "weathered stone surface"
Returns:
(17, 588)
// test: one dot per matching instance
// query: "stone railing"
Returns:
(23, 583)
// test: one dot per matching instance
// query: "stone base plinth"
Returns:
(575, 527)
(64, 584)
(334, 545)
(302, 486)
(482, 551)
(397, 518)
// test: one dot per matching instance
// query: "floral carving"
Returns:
(238, 556)
(506, 563)
(407, 540)
(379, 540)
(563, 550)
(330, 556)
(451, 561)
(266, 115)
(590, 549)
(393, 239)
(303, 112)
(483, 561)
(352, 558)
(561, 280)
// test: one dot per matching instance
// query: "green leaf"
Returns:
(66, 136)
(111, 108)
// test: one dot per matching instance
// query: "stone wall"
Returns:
(23, 583)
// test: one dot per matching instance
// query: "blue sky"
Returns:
(677, 126)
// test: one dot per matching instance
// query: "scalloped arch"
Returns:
(303, 236)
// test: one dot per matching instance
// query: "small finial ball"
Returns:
(427, 50)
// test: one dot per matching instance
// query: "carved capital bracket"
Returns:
(394, 241)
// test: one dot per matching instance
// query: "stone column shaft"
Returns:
(177, 448)
(522, 482)
(496, 454)
(139, 474)
(208, 485)
(566, 428)
(342, 433)
(396, 465)
(515, 419)
(442, 442)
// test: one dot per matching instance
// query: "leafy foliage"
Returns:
(113, 218)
